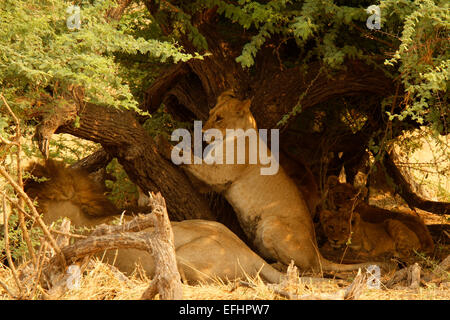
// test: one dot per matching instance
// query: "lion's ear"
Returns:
(226, 95)
(325, 215)
(247, 104)
(355, 219)
(228, 92)
(364, 191)
(244, 107)
(332, 181)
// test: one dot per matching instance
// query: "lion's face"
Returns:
(343, 195)
(67, 190)
(230, 113)
(339, 226)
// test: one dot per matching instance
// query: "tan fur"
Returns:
(304, 179)
(230, 113)
(62, 184)
(270, 209)
(369, 239)
(205, 250)
(343, 196)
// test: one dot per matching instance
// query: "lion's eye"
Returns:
(219, 118)
(331, 227)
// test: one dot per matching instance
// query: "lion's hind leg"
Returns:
(281, 241)
(405, 240)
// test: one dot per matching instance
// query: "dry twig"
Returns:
(36, 215)
(159, 243)
(414, 276)
(18, 152)
(167, 278)
(7, 249)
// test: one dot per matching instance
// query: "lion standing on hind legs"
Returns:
(270, 209)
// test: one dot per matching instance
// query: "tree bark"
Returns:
(123, 137)
(98, 160)
(404, 189)
(189, 90)
(117, 12)
(274, 90)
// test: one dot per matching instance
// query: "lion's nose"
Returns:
(334, 241)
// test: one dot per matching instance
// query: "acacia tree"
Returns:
(312, 68)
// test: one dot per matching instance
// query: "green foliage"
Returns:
(301, 20)
(18, 247)
(114, 61)
(423, 59)
(162, 123)
(38, 50)
(180, 20)
(123, 190)
(334, 31)
(68, 148)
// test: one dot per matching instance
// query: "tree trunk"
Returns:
(192, 88)
(189, 90)
(123, 137)
(404, 189)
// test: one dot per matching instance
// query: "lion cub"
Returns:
(368, 239)
(345, 197)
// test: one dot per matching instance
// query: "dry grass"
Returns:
(100, 282)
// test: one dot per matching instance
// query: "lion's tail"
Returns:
(327, 265)
(270, 274)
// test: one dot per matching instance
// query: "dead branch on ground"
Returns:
(159, 243)
(293, 280)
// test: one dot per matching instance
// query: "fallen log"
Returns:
(159, 243)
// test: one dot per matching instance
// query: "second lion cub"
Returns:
(368, 239)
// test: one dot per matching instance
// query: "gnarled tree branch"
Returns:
(123, 137)
(159, 243)
(404, 189)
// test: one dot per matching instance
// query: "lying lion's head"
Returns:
(62, 188)
(230, 113)
(339, 226)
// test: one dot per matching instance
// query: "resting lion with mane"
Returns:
(390, 237)
(205, 250)
(270, 208)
